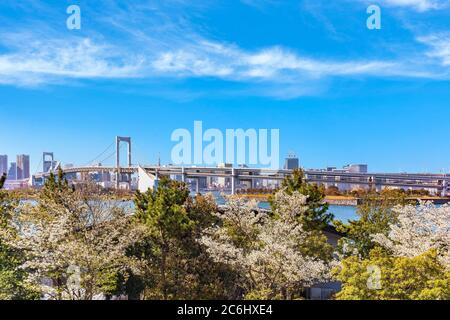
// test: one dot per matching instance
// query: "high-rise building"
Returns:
(3, 164)
(23, 166)
(12, 172)
(291, 162)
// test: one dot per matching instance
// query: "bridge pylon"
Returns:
(118, 174)
(48, 165)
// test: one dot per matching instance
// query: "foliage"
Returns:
(173, 261)
(375, 216)
(13, 284)
(316, 216)
(332, 191)
(412, 255)
(72, 238)
(421, 277)
(255, 191)
(411, 193)
(266, 250)
(80, 243)
(417, 230)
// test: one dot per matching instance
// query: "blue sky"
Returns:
(338, 92)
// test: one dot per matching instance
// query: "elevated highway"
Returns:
(438, 182)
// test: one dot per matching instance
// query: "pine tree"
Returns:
(317, 216)
(56, 188)
(177, 266)
(375, 214)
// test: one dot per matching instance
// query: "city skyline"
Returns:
(338, 92)
(289, 161)
(15, 170)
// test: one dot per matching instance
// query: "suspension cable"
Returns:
(101, 154)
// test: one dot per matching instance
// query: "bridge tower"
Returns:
(48, 165)
(118, 141)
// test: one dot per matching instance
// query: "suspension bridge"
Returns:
(149, 175)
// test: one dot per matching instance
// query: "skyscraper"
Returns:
(291, 162)
(3, 164)
(12, 173)
(23, 166)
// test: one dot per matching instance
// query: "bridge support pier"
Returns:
(197, 186)
(183, 175)
(233, 181)
(444, 188)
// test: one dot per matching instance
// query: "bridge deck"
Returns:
(384, 179)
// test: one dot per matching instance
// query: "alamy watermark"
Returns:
(73, 22)
(374, 279)
(235, 146)
(374, 20)
(74, 278)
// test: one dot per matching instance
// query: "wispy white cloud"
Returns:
(439, 46)
(261, 4)
(35, 62)
(274, 64)
(419, 5)
(167, 48)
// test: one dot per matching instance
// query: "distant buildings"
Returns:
(16, 175)
(338, 177)
(23, 167)
(291, 162)
(349, 168)
(3, 164)
(19, 170)
(12, 172)
(356, 168)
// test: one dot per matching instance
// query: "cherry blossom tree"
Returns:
(265, 249)
(74, 241)
(419, 229)
(411, 259)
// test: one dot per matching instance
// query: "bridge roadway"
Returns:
(403, 180)
(435, 181)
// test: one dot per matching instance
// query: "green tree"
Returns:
(76, 239)
(332, 191)
(162, 212)
(314, 219)
(395, 278)
(174, 262)
(375, 216)
(13, 284)
(317, 216)
(56, 189)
